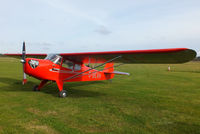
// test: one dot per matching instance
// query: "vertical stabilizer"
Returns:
(109, 67)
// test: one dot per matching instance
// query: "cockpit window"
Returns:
(54, 58)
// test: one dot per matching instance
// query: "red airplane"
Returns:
(71, 67)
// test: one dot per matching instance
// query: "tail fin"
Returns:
(109, 67)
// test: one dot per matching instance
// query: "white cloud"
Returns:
(103, 30)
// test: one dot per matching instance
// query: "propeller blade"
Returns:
(23, 60)
(24, 52)
(24, 79)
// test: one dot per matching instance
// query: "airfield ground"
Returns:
(151, 100)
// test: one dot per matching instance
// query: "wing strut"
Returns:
(93, 68)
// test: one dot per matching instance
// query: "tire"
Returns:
(63, 94)
(35, 88)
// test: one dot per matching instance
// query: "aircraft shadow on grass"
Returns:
(72, 88)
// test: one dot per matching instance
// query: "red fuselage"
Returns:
(47, 70)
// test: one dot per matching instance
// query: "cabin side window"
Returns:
(77, 67)
(68, 64)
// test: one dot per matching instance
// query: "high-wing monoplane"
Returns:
(72, 67)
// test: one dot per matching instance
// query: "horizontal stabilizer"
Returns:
(117, 72)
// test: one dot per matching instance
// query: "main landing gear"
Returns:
(62, 93)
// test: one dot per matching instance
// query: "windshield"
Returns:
(54, 58)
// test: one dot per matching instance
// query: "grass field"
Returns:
(150, 101)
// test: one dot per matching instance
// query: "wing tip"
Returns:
(192, 54)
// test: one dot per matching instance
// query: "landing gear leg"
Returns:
(62, 93)
(42, 83)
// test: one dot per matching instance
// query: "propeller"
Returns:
(23, 61)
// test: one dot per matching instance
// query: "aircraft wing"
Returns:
(154, 56)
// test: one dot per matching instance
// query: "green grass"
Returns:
(150, 101)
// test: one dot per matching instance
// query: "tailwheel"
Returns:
(35, 88)
(63, 93)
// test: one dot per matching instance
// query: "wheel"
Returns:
(63, 94)
(35, 88)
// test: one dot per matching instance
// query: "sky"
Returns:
(55, 26)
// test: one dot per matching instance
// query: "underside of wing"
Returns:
(153, 56)
(40, 56)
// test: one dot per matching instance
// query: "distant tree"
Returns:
(197, 58)
(1, 55)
